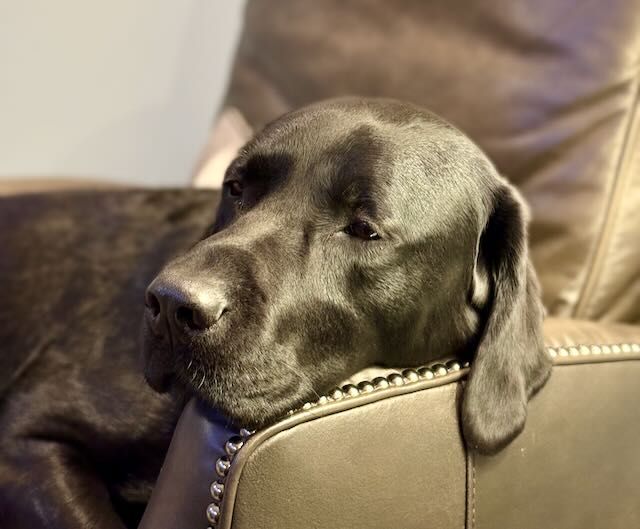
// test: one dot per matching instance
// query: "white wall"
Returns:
(121, 89)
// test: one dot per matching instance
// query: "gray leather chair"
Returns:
(550, 90)
(386, 452)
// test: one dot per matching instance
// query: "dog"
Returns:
(349, 233)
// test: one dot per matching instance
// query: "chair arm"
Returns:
(389, 453)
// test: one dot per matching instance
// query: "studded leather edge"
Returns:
(599, 352)
(348, 391)
(396, 379)
(222, 466)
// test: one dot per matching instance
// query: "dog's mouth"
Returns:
(247, 399)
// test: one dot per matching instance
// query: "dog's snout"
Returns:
(183, 307)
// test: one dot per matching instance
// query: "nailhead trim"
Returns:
(235, 443)
(594, 350)
(407, 376)
(222, 466)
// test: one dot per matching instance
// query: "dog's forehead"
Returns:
(310, 136)
(329, 149)
(388, 157)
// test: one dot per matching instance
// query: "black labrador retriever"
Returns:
(349, 233)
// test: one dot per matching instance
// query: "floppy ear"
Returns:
(511, 363)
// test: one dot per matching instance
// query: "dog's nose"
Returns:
(186, 307)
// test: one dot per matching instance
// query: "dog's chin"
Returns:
(253, 412)
(245, 401)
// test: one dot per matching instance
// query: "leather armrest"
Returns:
(391, 455)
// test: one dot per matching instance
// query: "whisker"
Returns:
(202, 381)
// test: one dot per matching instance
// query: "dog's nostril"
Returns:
(152, 303)
(191, 318)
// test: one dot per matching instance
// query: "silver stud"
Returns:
(596, 350)
(626, 348)
(453, 365)
(213, 513)
(635, 348)
(308, 405)
(410, 375)
(380, 383)
(217, 490)
(573, 351)
(323, 400)
(425, 373)
(466, 364)
(606, 350)
(336, 394)
(439, 369)
(615, 349)
(395, 379)
(291, 412)
(245, 433)
(222, 466)
(584, 350)
(233, 445)
(350, 390)
(563, 352)
(365, 387)
(552, 352)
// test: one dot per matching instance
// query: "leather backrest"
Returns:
(392, 454)
(549, 89)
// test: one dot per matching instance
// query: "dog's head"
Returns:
(350, 233)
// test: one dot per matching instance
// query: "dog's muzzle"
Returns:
(182, 308)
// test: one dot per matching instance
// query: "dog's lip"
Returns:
(161, 382)
(157, 367)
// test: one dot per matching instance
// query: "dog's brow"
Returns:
(357, 196)
(356, 162)
(272, 167)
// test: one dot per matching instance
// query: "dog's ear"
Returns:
(510, 363)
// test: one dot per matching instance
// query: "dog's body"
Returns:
(349, 233)
(82, 436)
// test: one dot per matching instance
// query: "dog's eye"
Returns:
(363, 230)
(234, 188)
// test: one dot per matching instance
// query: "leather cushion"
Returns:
(548, 89)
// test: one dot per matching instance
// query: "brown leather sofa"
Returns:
(550, 90)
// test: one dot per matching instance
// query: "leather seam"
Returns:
(473, 491)
(611, 213)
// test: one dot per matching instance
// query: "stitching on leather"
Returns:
(611, 213)
(574, 351)
(473, 491)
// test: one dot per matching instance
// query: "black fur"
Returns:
(307, 304)
(82, 436)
